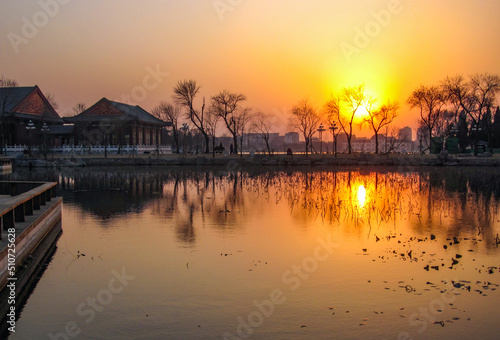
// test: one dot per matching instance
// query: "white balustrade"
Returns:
(95, 149)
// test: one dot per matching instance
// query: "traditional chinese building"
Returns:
(26, 116)
(112, 123)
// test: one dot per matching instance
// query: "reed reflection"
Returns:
(447, 201)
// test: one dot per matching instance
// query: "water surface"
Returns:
(152, 253)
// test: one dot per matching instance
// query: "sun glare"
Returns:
(361, 114)
(361, 195)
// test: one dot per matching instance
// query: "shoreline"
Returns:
(235, 161)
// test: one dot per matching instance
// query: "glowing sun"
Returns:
(361, 114)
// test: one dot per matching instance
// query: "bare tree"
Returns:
(344, 106)
(227, 106)
(79, 108)
(212, 122)
(242, 119)
(170, 114)
(5, 100)
(331, 118)
(422, 136)
(380, 117)
(430, 100)
(7, 82)
(392, 142)
(184, 94)
(306, 119)
(445, 122)
(334, 114)
(475, 96)
(486, 125)
(52, 101)
(262, 124)
(496, 128)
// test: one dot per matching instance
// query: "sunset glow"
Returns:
(250, 169)
(276, 53)
(361, 114)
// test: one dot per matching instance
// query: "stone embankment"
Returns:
(265, 160)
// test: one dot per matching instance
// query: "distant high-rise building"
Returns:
(405, 134)
(291, 137)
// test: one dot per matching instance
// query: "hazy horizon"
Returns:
(276, 53)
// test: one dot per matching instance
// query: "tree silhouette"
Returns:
(475, 97)
(79, 108)
(227, 106)
(344, 107)
(462, 133)
(212, 122)
(170, 114)
(262, 124)
(7, 82)
(184, 94)
(380, 117)
(496, 128)
(430, 101)
(306, 119)
(52, 100)
(5, 100)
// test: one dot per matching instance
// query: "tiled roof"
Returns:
(106, 109)
(27, 103)
(13, 96)
(138, 112)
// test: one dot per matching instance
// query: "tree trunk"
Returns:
(207, 142)
(350, 137)
(235, 143)
(175, 135)
(268, 147)
(376, 142)
(430, 140)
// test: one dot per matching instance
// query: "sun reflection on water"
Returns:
(361, 195)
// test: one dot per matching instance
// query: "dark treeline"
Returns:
(461, 109)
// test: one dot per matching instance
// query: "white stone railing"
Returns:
(96, 149)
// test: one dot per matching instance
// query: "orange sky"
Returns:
(276, 52)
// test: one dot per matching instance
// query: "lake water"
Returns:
(149, 253)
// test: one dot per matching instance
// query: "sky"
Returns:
(274, 52)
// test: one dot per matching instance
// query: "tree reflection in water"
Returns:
(451, 201)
